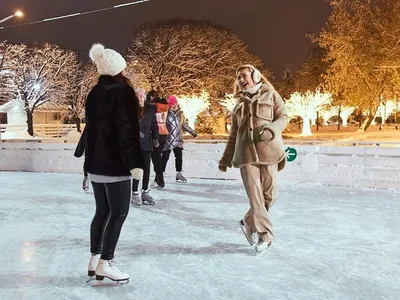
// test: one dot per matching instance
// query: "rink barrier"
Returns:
(353, 163)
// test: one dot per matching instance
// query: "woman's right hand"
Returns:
(137, 174)
(85, 183)
(222, 168)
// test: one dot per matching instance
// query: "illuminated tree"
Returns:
(185, 58)
(228, 102)
(38, 75)
(193, 105)
(305, 106)
(362, 46)
(81, 82)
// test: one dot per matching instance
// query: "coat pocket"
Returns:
(265, 109)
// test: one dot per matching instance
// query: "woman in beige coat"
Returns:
(255, 146)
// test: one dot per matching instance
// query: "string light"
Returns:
(78, 14)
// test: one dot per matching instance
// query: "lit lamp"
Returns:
(18, 14)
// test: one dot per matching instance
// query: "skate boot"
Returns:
(160, 180)
(108, 269)
(262, 246)
(135, 200)
(248, 232)
(94, 261)
(147, 199)
(180, 177)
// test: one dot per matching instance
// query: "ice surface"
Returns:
(331, 243)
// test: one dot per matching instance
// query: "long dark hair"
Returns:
(121, 79)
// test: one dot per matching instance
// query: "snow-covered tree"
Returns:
(228, 102)
(185, 58)
(305, 106)
(345, 113)
(81, 83)
(39, 75)
(326, 113)
(193, 105)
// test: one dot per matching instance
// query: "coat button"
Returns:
(249, 115)
(250, 129)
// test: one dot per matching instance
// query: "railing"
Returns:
(42, 130)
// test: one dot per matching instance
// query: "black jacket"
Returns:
(112, 129)
(148, 127)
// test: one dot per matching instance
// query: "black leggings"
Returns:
(146, 155)
(112, 207)
(178, 159)
(156, 154)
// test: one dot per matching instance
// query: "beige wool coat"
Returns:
(251, 117)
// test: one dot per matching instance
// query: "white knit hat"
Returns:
(108, 61)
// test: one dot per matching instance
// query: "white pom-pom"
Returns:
(96, 52)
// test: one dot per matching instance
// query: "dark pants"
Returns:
(146, 155)
(112, 207)
(178, 159)
(156, 154)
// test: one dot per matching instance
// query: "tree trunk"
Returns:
(367, 122)
(29, 121)
(306, 127)
(78, 124)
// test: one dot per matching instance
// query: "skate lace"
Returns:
(113, 266)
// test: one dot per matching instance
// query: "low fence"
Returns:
(40, 130)
(356, 164)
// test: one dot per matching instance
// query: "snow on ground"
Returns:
(331, 243)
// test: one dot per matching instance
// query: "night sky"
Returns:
(274, 29)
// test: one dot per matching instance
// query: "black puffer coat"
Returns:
(148, 127)
(112, 129)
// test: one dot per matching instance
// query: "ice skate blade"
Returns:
(251, 243)
(106, 282)
(260, 253)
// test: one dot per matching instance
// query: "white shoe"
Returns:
(262, 246)
(94, 261)
(108, 269)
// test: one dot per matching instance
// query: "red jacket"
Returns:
(161, 115)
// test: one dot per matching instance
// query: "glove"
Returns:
(156, 143)
(137, 174)
(85, 183)
(266, 135)
(222, 168)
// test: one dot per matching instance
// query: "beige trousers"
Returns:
(261, 184)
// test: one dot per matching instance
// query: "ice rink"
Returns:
(330, 243)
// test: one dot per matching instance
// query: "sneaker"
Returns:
(108, 269)
(248, 232)
(93, 262)
(135, 200)
(147, 199)
(262, 246)
(180, 177)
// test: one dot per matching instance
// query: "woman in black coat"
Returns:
(112, 157)
(148, 140)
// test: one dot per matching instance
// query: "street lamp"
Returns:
(18, 14)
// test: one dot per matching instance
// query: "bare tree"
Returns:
(39, 75)
(81, 81)
(187, 58)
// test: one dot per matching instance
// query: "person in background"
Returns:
(175, 126)
(148, 141)
(161, 106)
